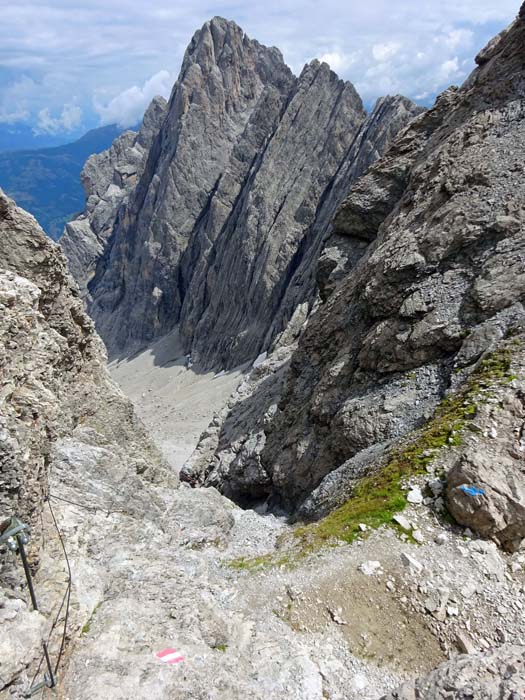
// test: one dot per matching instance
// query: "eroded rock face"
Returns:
(228, 311)
(229, 453)
(376, 133)
(108, 178)
(225, 76)
(348, 239)
(55, 388)
(496, 674)
(223, 232)
(486, 476)
(441, 216)
(47, 340)
(150, 563)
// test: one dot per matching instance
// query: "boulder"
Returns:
(497, 674)
(486, 481)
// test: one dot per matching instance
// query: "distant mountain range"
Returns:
(22, 137)
(46, 181)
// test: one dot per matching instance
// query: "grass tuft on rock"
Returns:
(87, 626)
(379, 496)
(260, 562)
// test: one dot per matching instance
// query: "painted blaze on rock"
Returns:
(486, 484)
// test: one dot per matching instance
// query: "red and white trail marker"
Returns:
(170, 656)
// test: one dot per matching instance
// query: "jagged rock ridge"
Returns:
(107, 179)
(223, 232)
(138, 288)
(284, 216)
(250, 633)
(438, 285)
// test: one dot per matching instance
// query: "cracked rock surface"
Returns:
(424, 300)
(222, 232)
(495, 675)
(428, 282)
(107, 179)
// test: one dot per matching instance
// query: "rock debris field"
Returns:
(354, 621)
(175, 401)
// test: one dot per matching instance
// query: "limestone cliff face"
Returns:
(223, 232)
(441, 216)
(389, 117)
(53, 366)
(139, 287)
(108, 178)
(47, 341)
(229, 455)
(230, 307)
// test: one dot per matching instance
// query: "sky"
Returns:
(69, 65)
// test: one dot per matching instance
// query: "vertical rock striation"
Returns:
(254, 257)
(223, 231)
(389, 116)
(108, 178)
(138, 288)
(229, 455)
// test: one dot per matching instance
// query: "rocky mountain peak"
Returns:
(215, 36)
(377, 261)
(320, 72)
(225, 214)
(108, 178)
(221, 50)
(422, 281)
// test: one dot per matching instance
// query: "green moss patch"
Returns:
(85, 629)
(261, 562)
(379, 496)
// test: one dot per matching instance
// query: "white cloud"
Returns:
(128, 107)
(53, 49)
(459, 38)
(448, 69)
(338, 60)
(15, 100)
(13, 116)
(382, 52)
(70, 119)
